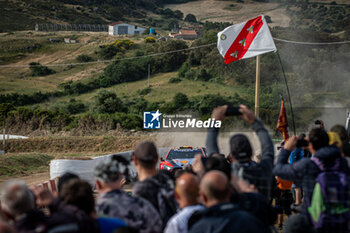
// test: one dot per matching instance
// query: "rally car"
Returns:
(177, 158)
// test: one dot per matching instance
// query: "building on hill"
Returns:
(185, 35)
(121, 28)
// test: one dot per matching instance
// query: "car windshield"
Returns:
(183, 154)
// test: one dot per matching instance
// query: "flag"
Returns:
(282, 123)
(245, 40)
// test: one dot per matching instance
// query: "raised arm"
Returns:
(285, 170)
(212, 136)
(267, 149)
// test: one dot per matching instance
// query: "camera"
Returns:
(301, 141)
(232, 111)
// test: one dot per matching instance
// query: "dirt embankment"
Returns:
(74, 144)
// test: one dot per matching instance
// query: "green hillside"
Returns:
(24, 14)
(101, 81)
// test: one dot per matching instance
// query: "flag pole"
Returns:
(290, 100)
(257, 85)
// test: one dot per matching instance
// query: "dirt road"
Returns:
(33, 179)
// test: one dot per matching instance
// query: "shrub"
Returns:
(174, 80)
(268, 19)
(180, 101)
(5, 108)
(40, 70)
(150, 39)
(107, 102)
(110, 50)
(183, 69)
(84, 58)
(203, 75)
(74, 107)
(191, 18)
(178, 14)
(145, 91)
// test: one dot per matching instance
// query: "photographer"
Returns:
(306, 171)
(258, 174)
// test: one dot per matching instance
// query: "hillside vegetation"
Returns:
(24, 14)
(102, 84)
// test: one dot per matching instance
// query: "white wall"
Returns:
(113, 30)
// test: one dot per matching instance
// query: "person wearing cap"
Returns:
(114, 202)
(258, 174)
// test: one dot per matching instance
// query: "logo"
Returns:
(223, 36)
(151, 120)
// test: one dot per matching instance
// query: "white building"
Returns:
(120, 28)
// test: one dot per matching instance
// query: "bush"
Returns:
(191, 18)
(150, 39)
(183, 70)
(180, 101)
(40, 70)
(178, 14)
(74, 107)
(268, 19)
(5, 108)
(23, 99)
(174, 80)
(107, 102)
(84, 58)
(145, 91)
(103, 121)
(203, 75)
(110, 50)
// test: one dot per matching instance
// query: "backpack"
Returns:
(167, 205)
(330, 204)
(253, 174)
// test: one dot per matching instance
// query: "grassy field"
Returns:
(23, 164)
(14, 52)
(222, 11)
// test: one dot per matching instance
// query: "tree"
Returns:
(84, 58)
(178, 14)
(173, 24)
(171, 61)
(107, 102)
(180, 101)
(40, 70)
(191, 18)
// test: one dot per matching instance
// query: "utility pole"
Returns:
(149, 73)
(4, 140)
(257, 86)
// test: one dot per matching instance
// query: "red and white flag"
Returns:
(245, 40)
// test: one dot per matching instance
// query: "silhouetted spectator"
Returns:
(306, 171)
(258, 174)
(156, 187)
(66, 177)
(341, 131)
(187, 195)
(17, 203)
(221, 215)
(114, 202)
(65, 217)
(79, 193)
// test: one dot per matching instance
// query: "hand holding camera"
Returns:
(221, 112)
